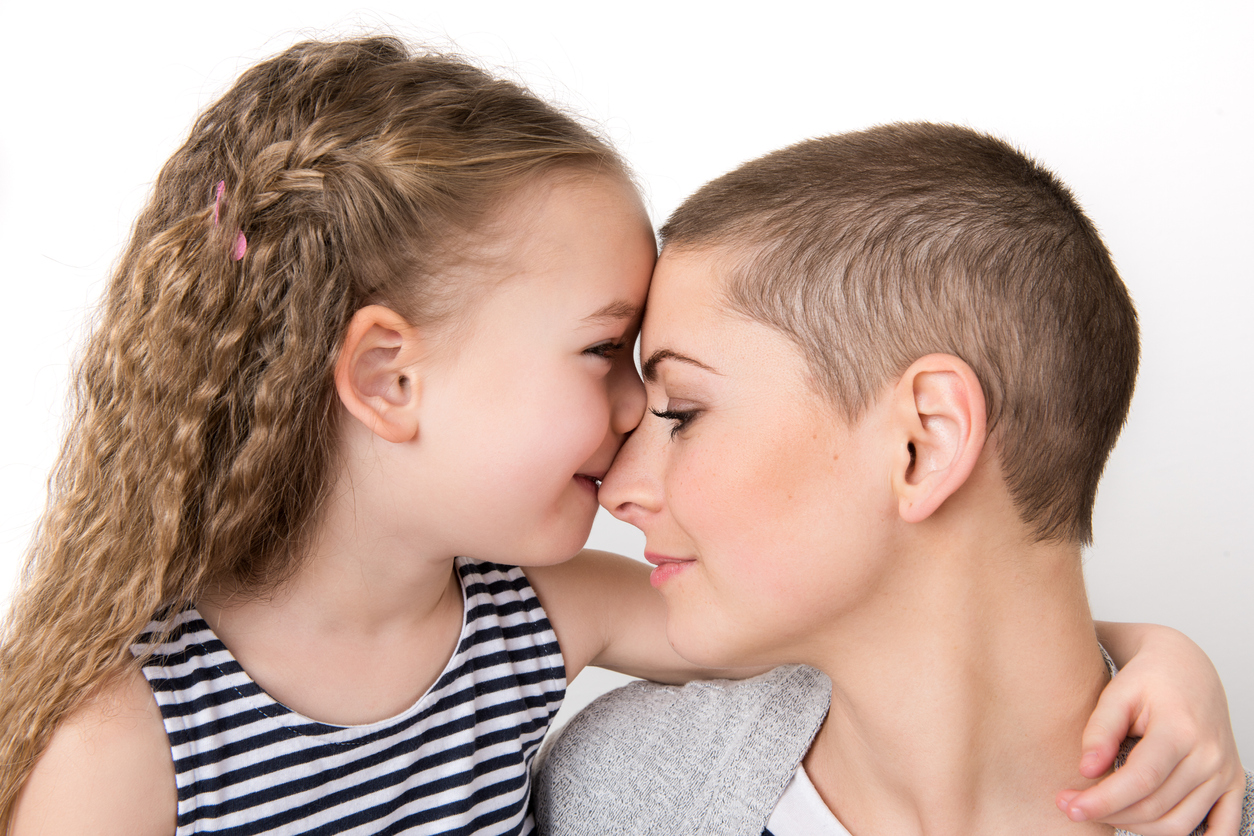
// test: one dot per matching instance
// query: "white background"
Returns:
(1146, 110)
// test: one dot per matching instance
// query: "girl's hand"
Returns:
(1185, 768)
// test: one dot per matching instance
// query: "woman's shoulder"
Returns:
(707, 702)
(710, 756)
(107, 769)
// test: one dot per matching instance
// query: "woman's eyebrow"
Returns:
(649, 367)
(617, 311)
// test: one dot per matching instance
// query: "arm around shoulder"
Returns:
(605, 613)
(107, 770)
(1186, 767)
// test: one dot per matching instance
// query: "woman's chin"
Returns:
(708, 648)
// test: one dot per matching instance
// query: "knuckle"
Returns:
(1147, 778)
(1154, 809)
(1201, 757)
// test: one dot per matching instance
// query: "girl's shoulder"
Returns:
(107, 769)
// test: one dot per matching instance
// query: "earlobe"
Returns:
(376, 376)
(940, 410)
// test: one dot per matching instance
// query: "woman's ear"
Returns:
(375, 375)
(940, 411)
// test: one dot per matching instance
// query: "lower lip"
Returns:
(665, 571)
(588, 482)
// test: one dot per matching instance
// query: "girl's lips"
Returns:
(590, 482)
(665, 568)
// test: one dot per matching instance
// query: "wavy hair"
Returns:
(204, 419)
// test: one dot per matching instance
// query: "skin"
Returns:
(752, 467)
(107, 769)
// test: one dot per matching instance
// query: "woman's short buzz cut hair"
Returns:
(872, 249)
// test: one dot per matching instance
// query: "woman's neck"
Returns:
(966, 715)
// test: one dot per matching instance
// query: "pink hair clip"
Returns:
(241, 243)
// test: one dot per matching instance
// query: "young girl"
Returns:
(369, 350)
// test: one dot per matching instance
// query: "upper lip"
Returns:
(658, 559)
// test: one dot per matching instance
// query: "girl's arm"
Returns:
(605, 613)
(107, 771)
(1185, 768)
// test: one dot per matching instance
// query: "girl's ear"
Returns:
(940, 413)
(376, 374)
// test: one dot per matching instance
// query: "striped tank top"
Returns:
(455, 762)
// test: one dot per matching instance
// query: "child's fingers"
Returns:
(1107, 727)
(1148, 817)
(1150, 765)
(1191, 794)
(1225, 816)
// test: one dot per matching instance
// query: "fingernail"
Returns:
(1076, 814)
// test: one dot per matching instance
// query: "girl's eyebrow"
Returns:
(617, 311)
(649, 367)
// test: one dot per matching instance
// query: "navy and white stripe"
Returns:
(456, 762)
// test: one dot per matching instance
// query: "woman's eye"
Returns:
(680, 417)
(606, 350)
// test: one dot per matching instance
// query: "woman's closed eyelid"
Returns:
(681, 418)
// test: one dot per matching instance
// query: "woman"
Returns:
(885, 371)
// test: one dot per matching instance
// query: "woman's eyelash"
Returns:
(607, 350)
(681, 417)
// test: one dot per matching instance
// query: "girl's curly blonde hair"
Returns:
(204, 419)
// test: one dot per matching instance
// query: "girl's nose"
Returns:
(631, 490)
(627, 398)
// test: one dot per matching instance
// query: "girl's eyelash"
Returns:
(681, 417)
(606, 350)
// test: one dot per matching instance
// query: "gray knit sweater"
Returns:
(708, 759)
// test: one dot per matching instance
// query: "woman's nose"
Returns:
(631, 489)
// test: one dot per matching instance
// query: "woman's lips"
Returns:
(665, 567)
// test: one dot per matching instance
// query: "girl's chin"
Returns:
(550, 547)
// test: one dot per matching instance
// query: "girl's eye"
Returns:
(681, 418)
(606, 350)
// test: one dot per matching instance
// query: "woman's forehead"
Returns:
(685, 291)
(688, 322)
